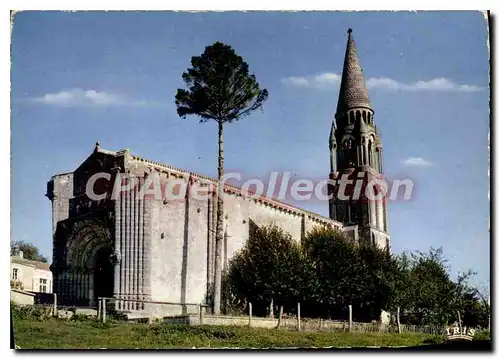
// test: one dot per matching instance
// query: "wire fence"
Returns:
(198, 313)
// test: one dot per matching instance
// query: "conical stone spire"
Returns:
(353, 92)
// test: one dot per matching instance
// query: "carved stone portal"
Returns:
(90, 262)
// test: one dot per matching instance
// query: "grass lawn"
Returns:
(52, 333)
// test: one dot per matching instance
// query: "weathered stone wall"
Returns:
(179, 251)
(307, 324)
(180, 245)
(239, 211)
(182, 250)
(165, 247)
(382, 239)
(132, 243)
(22, 297)
(60, 191)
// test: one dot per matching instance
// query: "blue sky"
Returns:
(78, 78)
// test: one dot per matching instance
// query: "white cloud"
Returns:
(328, 80)
(417, 162)
(80, 98)
(320, 81)
(296, 81)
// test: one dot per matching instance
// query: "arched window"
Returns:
(358, 116)
(351, 117)
(363, 156)
(379, 159)
(370, 154)
(373, 207)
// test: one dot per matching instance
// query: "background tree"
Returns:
(482, 293)
(345, 274)
(327, 272)
(267, 268)
(427, 294)
(332, 265)
(378, 270)
(29, 251)
(221, 89)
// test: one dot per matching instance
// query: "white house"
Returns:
(34, 276)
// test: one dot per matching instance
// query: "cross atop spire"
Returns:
(353, 92)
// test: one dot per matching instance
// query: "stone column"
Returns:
(128, 230)
(133, 251)
(91, 289)
(118, 220)
(123, 254)
(140, 248)
(373, 212)
(77, 287)
(365, 152)
(380, 215)
(209, 244)
(147, 250)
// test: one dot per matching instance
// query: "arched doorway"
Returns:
(104, 274)
(90, 256)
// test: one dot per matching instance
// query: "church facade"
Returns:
(141, 250)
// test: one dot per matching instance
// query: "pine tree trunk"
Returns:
(219, 235)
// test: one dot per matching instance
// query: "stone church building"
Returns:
(163, 250)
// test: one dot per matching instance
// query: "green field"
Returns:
(52, 333)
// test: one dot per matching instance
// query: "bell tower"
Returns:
(356, 156)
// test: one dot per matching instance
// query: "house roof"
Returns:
(29, 262)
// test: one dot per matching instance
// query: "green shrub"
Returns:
(435, 339)
(81, 317)
(16, 284)
(30, 311)
(482, 335)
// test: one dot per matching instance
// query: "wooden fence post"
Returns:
(350, 317)
(280, 315)
(104, 310)
(99, 308)
(55, 305)
(250, 314)
(298, 316)
(399, 323)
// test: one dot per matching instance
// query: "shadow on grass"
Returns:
(461, 345)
